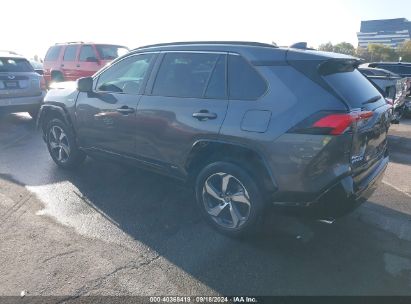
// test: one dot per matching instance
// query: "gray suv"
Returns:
(248, 125)
(21, 88)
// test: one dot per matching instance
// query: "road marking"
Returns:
(398, 189)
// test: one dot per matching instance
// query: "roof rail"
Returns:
(70, 42)
(10, 52)
(245, 43)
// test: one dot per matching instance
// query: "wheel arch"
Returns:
(204, 152)
(51, 111)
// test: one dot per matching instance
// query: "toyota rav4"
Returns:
(248, 125)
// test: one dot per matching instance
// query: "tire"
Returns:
(57, 77)
(62, 145)
(223, 209)
(34, 113)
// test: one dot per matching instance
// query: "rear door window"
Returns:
(53, 53)
(245, 83)
(87, 53)
(188, 75)
(15, 65)
(70, 53)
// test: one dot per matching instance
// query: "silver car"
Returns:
(21, 88)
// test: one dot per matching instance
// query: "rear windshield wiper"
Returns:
(372, 100)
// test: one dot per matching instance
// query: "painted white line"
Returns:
(396, 188)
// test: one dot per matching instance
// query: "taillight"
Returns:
(43, 84)
(332, 123)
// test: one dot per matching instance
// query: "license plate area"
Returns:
(10, 84)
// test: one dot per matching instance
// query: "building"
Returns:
(390, 32)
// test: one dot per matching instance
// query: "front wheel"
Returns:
(229, 199)
(62, 146)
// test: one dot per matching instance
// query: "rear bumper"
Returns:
(21, 104)
(346, 195)
(340, 198)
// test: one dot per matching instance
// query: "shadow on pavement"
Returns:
(288, 257)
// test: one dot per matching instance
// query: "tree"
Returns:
(344, 48)
(404, 51)
(363, 53)
(380, 52)
(326, 47)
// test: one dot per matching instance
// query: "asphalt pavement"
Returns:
(107, 229)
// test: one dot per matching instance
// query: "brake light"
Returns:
(337, 124)
(43, 84)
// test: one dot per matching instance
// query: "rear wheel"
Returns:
(229, 199)
(62, 146)
(57, 77)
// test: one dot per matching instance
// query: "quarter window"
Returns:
(189, 75)
(70, 53)
(126, 76)
(53, 53)
(244, 81)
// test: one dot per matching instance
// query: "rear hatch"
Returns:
(18, 78)
(371, 114)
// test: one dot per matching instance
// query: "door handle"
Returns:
(62, 65)
(125, 110)
(204, 115)
(78, 65)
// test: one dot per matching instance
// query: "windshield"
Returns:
(110, 52)
(15, 65)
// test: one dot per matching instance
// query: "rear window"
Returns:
(110, 52)
(354, 88)
(15, 65)
(53, 53)
(70, 53)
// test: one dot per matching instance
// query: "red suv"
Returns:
(72, 60)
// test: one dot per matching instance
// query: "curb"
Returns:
(388, 220)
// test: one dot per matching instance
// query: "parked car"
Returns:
(37, 66)
(392, 86)
(72, 60)
(21, 88)
(401, 68)
(247, 125)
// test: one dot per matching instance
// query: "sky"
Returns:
(30, 27)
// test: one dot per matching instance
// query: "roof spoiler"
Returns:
(300, 46)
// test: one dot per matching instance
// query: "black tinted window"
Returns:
(70, 53)
(217, 86)
(244, 81)
(185, 74)
(353, 87)
(53, 53)
(126, 76)
(404, 70)
(15, 65)
(87, 53)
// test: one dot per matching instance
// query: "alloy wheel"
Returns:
(59, 144)
(226, 200)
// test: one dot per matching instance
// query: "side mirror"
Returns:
(92, 59)
(85, 84)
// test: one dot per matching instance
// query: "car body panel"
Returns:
(304, 167)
